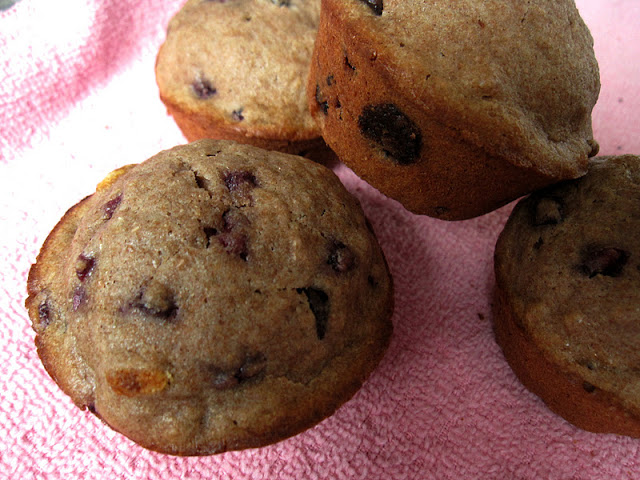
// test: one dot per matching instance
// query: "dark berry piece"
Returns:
(348, 63)
(44, 314)
(393, 131)
(320, 100)
(375, 5)
(548, 211)
(251, 368)
(240, 181)
(79, 297)
(319, 305)
(203, 88)
(156, 300)
(110, 207)
(233, 237)
(607, 261)
(341, 258)
(84, 266)
(237, 116)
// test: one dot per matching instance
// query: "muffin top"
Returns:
(214, 297)
(516, 79)
(242, 64)
(568, 261)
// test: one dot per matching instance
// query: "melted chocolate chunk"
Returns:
(393, 131)
(203, 88)
(110, 207)
(319, 305)
(375, 5)
(341, 258)
(84, 266)
(251, 368)
(607, 261)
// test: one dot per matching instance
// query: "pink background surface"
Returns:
(78, 99)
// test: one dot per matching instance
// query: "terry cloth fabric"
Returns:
(78, 99)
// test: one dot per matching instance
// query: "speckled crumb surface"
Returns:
(567, 296)
(215, 297)
(238, 70)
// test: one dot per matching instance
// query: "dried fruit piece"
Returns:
(84, 266)
(395, 133)
(133, 382)
(110, 207)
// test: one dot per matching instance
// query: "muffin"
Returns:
(456, 107)
(567, 306)
(237, 70)
(214, 297)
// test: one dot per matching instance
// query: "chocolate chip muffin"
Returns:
(237, 70)
(567, 310)
(214, 297)
(456, 107)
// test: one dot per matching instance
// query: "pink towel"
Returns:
(78, 98)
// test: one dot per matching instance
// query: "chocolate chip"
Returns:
(607, 261)
(156, 300)
(395, 133)
(136, 382)
(589, 388)
(341, 258)
(321, 101)
(547, 211)
(319, 305)
(375, 5)
(330, 80)
(84, 266)
(110, 207)
(203, 88)
(251, 368)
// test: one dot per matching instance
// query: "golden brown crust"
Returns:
(566, 300)
(262, 296)
(462, 134)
